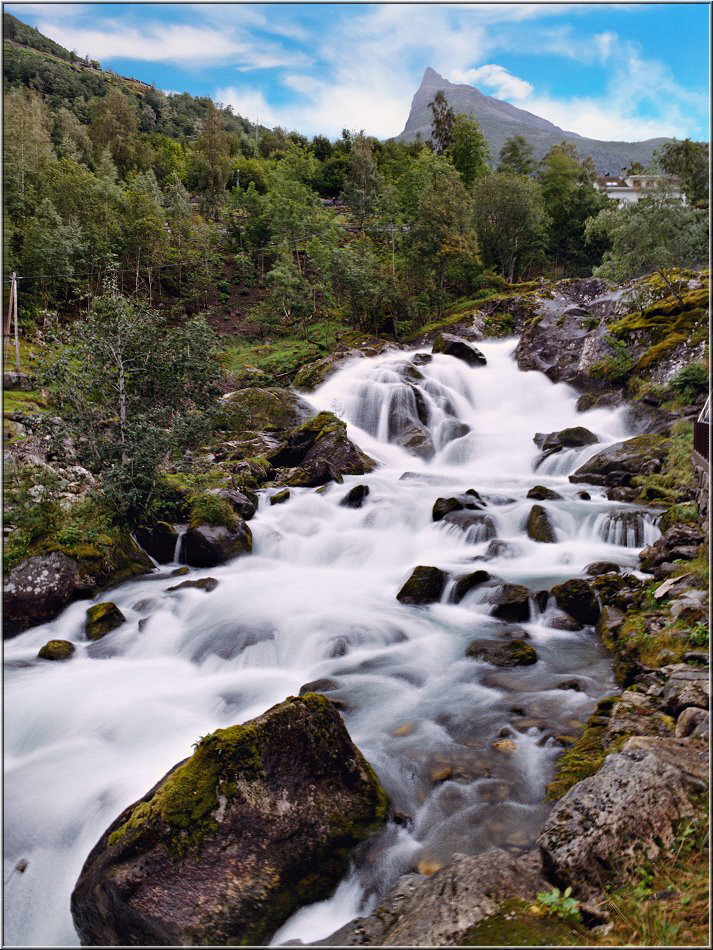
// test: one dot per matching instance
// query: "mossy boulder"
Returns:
(102, 619)
(263, 409)
(280, 497)
(621, 463)
(577, 598)
(451, 345)
(424, 586)
(502, 653)
(355, 497)
(56, 650)
(539, 526)
(318, 452)
(259, 821)
(540, 493)
(158, 540)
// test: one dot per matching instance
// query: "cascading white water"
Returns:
(464, 749)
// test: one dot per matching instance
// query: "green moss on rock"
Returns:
(102, 619)
(56, 650)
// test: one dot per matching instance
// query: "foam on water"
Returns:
(85, 738)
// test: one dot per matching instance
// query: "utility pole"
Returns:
(14, 308)
(12, 317)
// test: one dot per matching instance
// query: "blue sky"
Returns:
(608, 71)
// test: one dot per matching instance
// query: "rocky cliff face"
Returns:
(499, 120)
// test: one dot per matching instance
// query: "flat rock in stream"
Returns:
(436, 911)
(257, 822)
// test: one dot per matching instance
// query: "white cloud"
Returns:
(250, 103)
(175, 43)
(497, 78)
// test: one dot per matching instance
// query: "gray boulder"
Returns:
(452, 345)
(208, 545)
(617, 465)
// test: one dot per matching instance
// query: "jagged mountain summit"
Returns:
(499, 120)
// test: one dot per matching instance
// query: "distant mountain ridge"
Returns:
(500, 120)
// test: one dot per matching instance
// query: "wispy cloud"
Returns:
(496, 78)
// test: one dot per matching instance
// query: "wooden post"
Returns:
(14, 309)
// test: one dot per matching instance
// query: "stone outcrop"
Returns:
(626, 813)
(258, 821)
(159, 541)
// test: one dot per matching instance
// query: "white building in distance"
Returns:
(631, 188)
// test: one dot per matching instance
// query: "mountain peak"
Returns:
(431, 77)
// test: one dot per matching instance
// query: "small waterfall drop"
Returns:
(464, 748)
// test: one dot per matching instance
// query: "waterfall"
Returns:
(317, 601)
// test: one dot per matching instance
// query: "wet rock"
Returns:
(476, 524)
(466, 583)
(607, 824)
(617, 590)
(602, 567)
(589, 401)
(257, 822)
(321, 452)
(512, 602)
(498, 548)
(693, 721)
(577, 599)
(159, 541)
(417, 440)
(280, 497)
(540, 493)
(324, 685)
(685, 686)
(563, 621)
(468, 501)
(436, 910)
(539, 527)
(206, 584)
(421, 359)
(355, 497)
(452, 430)
(620, 463)
(424, 586)
(572, 438)
(573, 684)
(454, 346)
(584, 495)
(502, 654)
(208, 545)
(181, 571)
(56, 650)
(102, 619)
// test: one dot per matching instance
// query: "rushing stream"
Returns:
(463, 749)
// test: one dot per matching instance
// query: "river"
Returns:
(463, 749)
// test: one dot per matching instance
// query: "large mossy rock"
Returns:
(318, 452)
(539, 527)
(102, 619)
(512, 602)
(452, 345)
(41, 586)
(424, 586)
(577, 598)
(502, 653)
(56, 650)
(620, 463)
(208, 545)
(263, 409)
(259, 821)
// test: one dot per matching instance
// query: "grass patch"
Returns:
(675, 481)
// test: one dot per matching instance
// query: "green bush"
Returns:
(690, 381)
